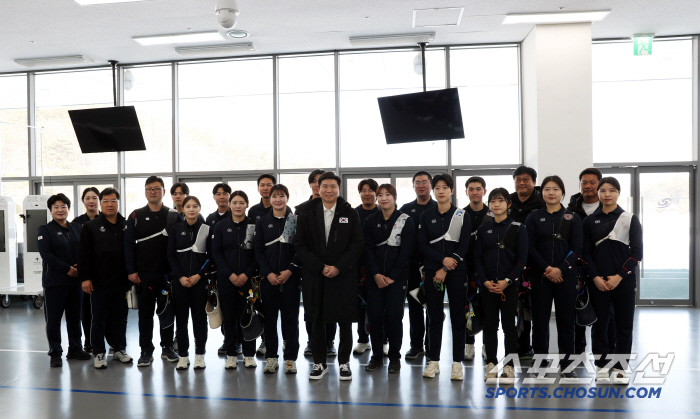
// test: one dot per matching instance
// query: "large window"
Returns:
(364, 78)
(489, 96)
(150, 92)
(226, 116)
(642, 105)
(56, 94)
(13, 138)
(307, 112)
(17, 191)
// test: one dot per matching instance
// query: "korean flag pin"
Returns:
(343, 220)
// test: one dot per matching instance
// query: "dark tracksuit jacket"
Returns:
(83, 218)
(101, 260)
(362, 336)
(279, 300)
(258, 210)
(58, 247)
(385, 305)
(607, 259)
(546, 250)
(432, 225)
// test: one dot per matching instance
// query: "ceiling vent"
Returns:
(428, 18)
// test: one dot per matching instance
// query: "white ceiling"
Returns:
(103, 32)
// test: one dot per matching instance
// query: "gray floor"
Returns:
(29, 387)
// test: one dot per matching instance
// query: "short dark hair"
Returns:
(443, 177)
(369, 182)
(238, 193)
(90, 189)
(313, 174)
(389, 188)
(182, 185)
(223, 186)
(329, 175)
(499, 193)
(611, 180)
(191, 198)
(475, 179)
(154, 178)
(58, 197)
(279, 187)
(524, 170)
(268, 176)
(422, 173)
(109, 191)
(556, 179)
(591, 171)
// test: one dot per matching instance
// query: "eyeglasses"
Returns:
(110, 201)
(149, 190)
(523, 179)
(423, 183)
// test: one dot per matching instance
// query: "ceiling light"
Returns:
(237, 33)
(178, 38)
(559, 17)
(390, 40)
(208, 50)
(54, 61)
(91, 2)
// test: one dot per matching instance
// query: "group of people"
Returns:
(352, 265)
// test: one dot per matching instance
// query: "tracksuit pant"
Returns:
(58, 300)
(455, 286)
(623, 299)
(319, 340)
(282, 301)
(493, 305)
(109, 311)
(191, 300)
(564, 295)
(385, 311)
(233, 305)
(150, 290)
(331, 330)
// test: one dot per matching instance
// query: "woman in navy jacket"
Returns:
(189, 245)
(281, 288)
(500, 255)
(390, 237)
(555, 244)
(612, 249)
(232, 249)
(445, 248)
(58, 246)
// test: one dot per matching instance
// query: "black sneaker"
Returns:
(307, 350)
(145, 360)
(394, 366)
(80, 355)
(222, 350)
(169, 354)
(373, 364)
(56, 361)
(414, 353)
(527, 355)
(87, 348)
(330, 349)
(570, 375)
(345, 373)
(318, 371)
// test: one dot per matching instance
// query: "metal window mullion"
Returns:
(275, 116)
(520, 102)
(336, 68)
(176, 121)
(31, 120)
(121, 156)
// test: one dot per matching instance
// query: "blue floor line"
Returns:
(340, 403)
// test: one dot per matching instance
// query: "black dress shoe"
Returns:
(80, 355)
(56, 361)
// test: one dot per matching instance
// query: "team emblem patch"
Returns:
(543, 219)
(343, 220)
(148, 218)
(183, 233)
(434, 221)
(102, 229)
(269, 226)
(59, 233)
(229, 230)
(413, 210)
(568, 216)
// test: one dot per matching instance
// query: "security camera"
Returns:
(227, 11)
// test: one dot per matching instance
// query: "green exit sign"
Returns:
(642, 44)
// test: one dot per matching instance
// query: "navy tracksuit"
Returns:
(58, 247)
(385, 305)
(278, 300)
(546, 250)
(418, 325)
(85, 314)
(608, 259)
(477, 217)
(434, 224)
(494, 263)
(231, 256)
(362, 336)
(189, 299)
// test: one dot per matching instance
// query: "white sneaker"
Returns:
(261, 349)
(619, 377)
(508, 375)
(385, 347)
(432, 369)
(123, 357)
(271, 366)
(100, 361)
(183, 363)
(249, 362)
(457, 372)
(290, 367)
(231, 362)
(602, 377)
(483, 352)
(199, 362)
(469, 352)
(361, 348)
(490, 375)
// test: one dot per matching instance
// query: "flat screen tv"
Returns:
(424, 116)
(103, 130)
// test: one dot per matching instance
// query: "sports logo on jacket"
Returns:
(413, 210)
(183, 233)
(433, 221)
(228, 230)
(568, 216)
(102, 229)
(270, 226)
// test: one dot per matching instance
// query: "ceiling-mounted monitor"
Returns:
(101, 130)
